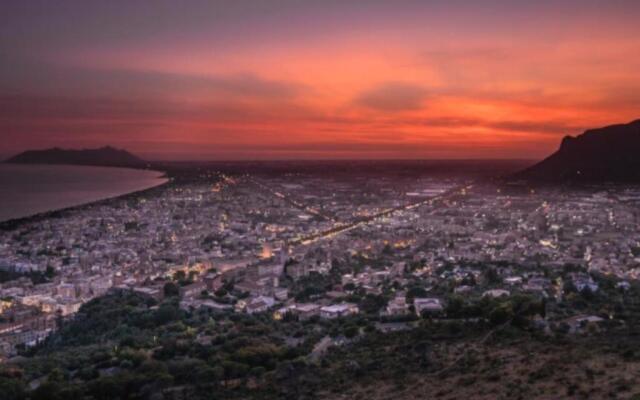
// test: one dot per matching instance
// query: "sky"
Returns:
(267, 79)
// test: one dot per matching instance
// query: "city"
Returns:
(329, 200)
(322, 246)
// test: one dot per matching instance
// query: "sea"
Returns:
(26, 190)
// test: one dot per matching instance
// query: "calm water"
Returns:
(31, 189)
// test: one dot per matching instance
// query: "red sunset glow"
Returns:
(291, 79)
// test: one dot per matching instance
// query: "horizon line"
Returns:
(338, 159)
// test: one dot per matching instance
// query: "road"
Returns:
(342, 228)
(291, 201)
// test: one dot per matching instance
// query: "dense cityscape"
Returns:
(317, 247)
(319, 200)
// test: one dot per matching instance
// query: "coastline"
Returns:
(13, 223)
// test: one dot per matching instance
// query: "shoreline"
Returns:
(14, 223)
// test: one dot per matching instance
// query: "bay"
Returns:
(27, 190)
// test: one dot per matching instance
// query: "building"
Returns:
(259, 304)
(338, 310)
(297, 270)
(582, 282)
(213, 281)
(66, 290)
(397, 306)
(154, 292)
(427, 305)
(495, 293)
(303, 311)
(193, 290)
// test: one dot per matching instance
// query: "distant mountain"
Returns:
(104, 156)
(609, 154)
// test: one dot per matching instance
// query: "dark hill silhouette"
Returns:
(104, 156)
(609, 154)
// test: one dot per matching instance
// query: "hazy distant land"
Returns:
(105, 157)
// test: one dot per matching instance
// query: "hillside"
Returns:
(105, 156)
(124, 346)
(608, 154)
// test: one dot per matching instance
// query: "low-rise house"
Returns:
(193, 290)
(281, 312)
(623, 285)
(582, 282)
(100, 285)
(338, 310)
(335, 294)
(269, 267)
(346, 279)
(397, 306)
(193, 304)
(298, 270)
(463, 289)
(28, 332)
(427, 305)
(281, 293)
(155, 292)
(67, 290)
(303, 311)
(265, 286)
(579, 323)
(513, 280)
(495, 293)
(308, 310)
(536, 284)
(213, 281)
(68, 306)
(259, 304)
(214, 305)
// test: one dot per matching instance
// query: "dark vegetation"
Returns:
(126, 346)
(36, 277)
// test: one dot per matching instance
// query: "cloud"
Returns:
(393, 96)
(231, 106)
(29, 76)
(233, 86)
(51, 109)
(523, 126)
(490, 54)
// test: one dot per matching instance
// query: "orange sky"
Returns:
(293, 79)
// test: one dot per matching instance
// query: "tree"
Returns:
(192, 275)
(257, 372)
(351, 331)
(372, 303)
(53, 388)
(492, 276)
(12, 389)
(179, 275)
(171, 290)
(501, 313)
(387, 250)
(469, 280)
(105, 388)
(166, 313)
(414, 292)
(455, 307)
(47, 391)
(234, 369)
